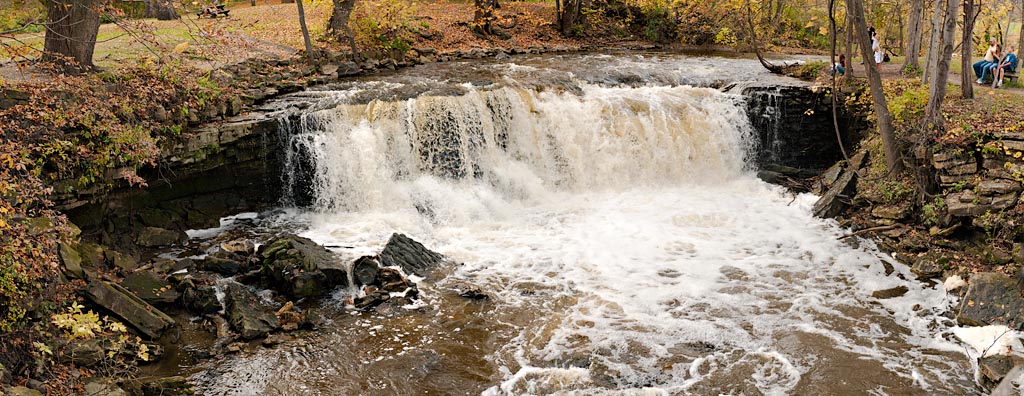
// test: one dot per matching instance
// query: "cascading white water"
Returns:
(628, 248)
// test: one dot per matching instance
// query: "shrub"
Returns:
(384, 26)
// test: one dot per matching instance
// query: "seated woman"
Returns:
(840, 66)
(1008, 63)
(990, 59)
(989, 69)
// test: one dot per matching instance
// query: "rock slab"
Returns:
(409, 255)
(130, 308)
(992, 299)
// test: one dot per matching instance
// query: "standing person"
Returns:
(1008, 62)
(989, 61)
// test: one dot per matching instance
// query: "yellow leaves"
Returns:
(809, 24)
(42, 348)
(181, 48)
(823, 31)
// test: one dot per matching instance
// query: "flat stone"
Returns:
(86, 353)
(994, 368)
(890, 293)
(247, 313)
(960, 170)
(166, 386)
(1004, 201)
(150, 287)
(891, 212)
(102, 387)
(141, 315)
(123, 261)
(992, 298)
(927, 268)
(997, 187)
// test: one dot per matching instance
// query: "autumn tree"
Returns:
(931, 60)
(71, 30)
(570, 13)
(305, 30)
(937, 91)
(337, 24)
(485, 20)
(855, 10)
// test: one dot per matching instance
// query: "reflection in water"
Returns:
(626, 247)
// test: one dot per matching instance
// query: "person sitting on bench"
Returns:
(1008, 63)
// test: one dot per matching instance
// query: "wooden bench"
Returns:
(1013, 74)
(214, 12)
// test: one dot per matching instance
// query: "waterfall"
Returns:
(517, 143)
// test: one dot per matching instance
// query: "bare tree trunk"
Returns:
(849, 45)
(252, 3)
(1020, 38)
(337, 25)
(161, 9)
(966, 71)
(305, 31)
(885, 129)
(937, 92)
(931, 60)
(569, 17)
(71, 29)
(913, 49)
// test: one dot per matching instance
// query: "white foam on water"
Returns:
(652, 260)
(990, 340)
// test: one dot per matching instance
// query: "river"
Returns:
(609, 207)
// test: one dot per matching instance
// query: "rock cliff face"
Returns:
(795, 128)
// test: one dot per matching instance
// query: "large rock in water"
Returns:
(411, 256)
(992, 298)
(832, 203)
(247, 313)
(150, 287)
(299, 267)
(130, 308)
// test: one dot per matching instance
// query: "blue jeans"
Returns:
(980, 66)
(988, 70)
(842, 70)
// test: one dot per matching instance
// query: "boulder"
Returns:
(93, 255)
(927, 267)
(247, 313)
(831, 204)
(130, 308)
(364, 270)
(409, 255)
(157, 237)
(123, 261)
(299, 267)
(150, 287)
(225, 263)
(994, 368)
(86, 353)
(992, 299)
(200, 299)
(72, 260)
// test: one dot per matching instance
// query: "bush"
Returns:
(384, 26)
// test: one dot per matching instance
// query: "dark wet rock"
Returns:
(392, 280)
(132, 309)
(992, 298)
(93, 255)
(371, 300)
(166, 386)
(890, 293)
(72, 261)
(225, 263)
(86, 353)
(409, 255)
(157, 237)
(299, 267)
(994, 368)
(365, 269)
(150, 287)
(160, 218)
(835, 199)
(200, 299)
(167, 266)
(102, 387)
(247, 313)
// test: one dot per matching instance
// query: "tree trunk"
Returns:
(305, 31)
(484, 21)
(1020, 38)
(913, 48)
(338, 27)
(161, 9)
(885, 129)
(966, 71)
(252, 3)
(569, 16)
(937, 92)
(849, 45)
(71, 29)
(931, 61)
